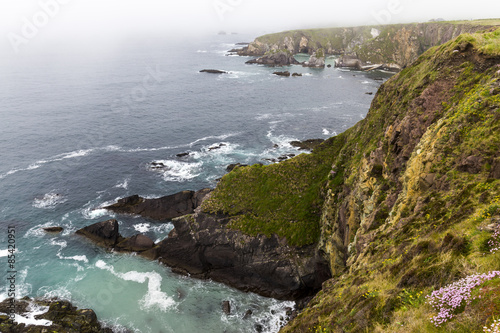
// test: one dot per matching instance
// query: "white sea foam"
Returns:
(28, 318)
(177, 171)
(201, 51)
(365, 82)
(123, 184)
(326, 132)
(273, 322)
(142, 227)
(213, 137)
(4, 253)
(154, 296)
(61, 243)
(49, 200)
(77, 258)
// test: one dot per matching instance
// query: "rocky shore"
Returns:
(55, 316)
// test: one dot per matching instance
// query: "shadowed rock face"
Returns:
(203, 246)
(107, 234)
(164, 208)
(65, 318)
(103, 233)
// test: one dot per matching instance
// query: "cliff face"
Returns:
(395, 45)
(401, 204)
(411, 190)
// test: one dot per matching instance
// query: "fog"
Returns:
(28, 24)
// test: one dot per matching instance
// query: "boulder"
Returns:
(182, 154)
(103, 233)
(164, 208)
(296, 74)
(226, 307)
(275, 58)
(53, 229)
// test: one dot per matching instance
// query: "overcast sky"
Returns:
(108, 20)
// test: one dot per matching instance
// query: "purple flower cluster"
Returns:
(494, 242)
(447, 299)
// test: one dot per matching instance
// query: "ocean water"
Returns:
(80, 129)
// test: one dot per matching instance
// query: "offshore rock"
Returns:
(65, 318)
(107, 234)
(163, 208)
(103, 233)
(285, 73)
(204, 246)
(53, 229)
(317, 59)
(213, 71)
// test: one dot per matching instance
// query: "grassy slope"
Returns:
(430, 236)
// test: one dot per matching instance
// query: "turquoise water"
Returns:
(80, 130)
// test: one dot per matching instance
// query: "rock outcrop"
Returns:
(278, 58)
(107, 234)
(164, 208)
(317, 59)
(63, 317)
(309, 144)
(205, 246)
(104, 233)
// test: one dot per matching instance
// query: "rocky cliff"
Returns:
(396, 45)
(404, 203)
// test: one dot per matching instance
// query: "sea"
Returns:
(81, 128)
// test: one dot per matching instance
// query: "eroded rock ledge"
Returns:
(203, 246)
(164, 208)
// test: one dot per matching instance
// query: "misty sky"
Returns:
(112, 20)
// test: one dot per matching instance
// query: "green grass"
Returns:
(284, 199)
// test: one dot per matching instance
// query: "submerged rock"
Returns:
(163, 208)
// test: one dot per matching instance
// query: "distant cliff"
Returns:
(395, 45)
